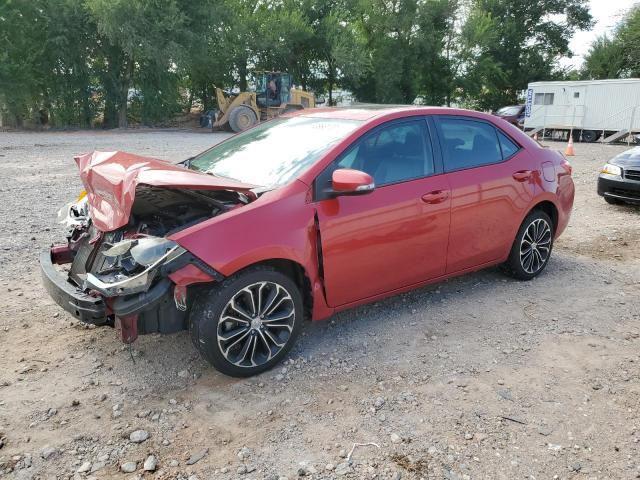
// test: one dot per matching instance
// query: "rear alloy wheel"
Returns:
(246, 324)
(241, 118)
(532, 247)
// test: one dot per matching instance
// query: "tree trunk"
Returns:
(125, 82)
(86, 109)
(242, 71)
(331, 81)
(190, 101)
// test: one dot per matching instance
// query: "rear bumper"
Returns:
(81, 305)
(618, 188)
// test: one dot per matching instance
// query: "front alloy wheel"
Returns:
(531, 248)
(247, 323)
(256, 324)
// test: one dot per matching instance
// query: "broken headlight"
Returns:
(144, 251)
(75, 213)
(136, 262)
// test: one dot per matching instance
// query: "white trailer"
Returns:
(590, 109)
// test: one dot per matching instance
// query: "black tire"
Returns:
(590, 136)
(613, 201)
(205, 321)
(241, 118)
(517, 265)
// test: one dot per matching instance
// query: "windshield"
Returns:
(275, 152)
(514, 110)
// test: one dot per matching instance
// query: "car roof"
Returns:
(364, 112)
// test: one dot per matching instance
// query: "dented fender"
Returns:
(249, 235)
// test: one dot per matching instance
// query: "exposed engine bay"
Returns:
(125, 260)
(139, 273)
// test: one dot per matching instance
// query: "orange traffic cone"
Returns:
(569, 150)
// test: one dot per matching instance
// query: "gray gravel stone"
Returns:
(196, 457)
(48, 452)
(150, 464)
(139, 436)
(129, 467)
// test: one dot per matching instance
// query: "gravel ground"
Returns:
(477, 377)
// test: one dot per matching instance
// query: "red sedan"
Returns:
(302, 217)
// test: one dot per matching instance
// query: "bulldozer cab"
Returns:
(273, 89)
(273, 97)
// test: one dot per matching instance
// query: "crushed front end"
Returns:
(132, 278)
(119, 266)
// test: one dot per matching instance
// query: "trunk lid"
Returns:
(111, 178)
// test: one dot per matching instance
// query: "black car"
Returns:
(619, 180)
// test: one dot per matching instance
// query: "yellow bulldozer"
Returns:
(274, 96)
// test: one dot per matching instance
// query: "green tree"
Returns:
(605, 59)
(509, 43)
(135, 36)
(629, 38)
(22, 59)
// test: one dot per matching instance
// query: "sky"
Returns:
(606, 14)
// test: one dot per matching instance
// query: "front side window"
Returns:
(275, 152)
(468, 143)
(392, 154)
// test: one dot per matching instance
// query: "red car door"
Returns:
(492, 183)
(396, 235)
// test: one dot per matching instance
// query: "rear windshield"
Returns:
(275, 152)
(509, 110)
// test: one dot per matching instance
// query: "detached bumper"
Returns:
(619, 188)
(79, 304)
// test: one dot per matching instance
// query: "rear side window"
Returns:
(507, 146)
(468, 143)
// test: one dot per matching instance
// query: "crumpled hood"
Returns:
(111, 178)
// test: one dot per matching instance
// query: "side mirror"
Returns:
(346, 181)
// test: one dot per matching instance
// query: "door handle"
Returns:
(522, 175)
(437, 196)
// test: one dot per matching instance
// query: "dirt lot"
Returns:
(479, 377)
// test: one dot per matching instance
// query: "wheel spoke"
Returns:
(536, 261)
(231, 334)
(231, 318)
(261, 334)
(236, 342)
(280, 325)
(270, 336)
(275, 306)
(260, 299)
(245, 349)
(239, 309)
(273, 295)
(279, 318)
(252, 297)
